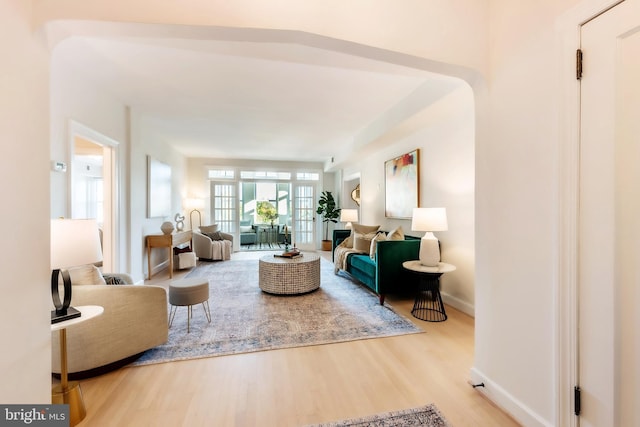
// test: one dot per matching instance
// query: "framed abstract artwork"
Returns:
(401, 185)
(158, 188)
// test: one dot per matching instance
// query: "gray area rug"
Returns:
(424, 416)
(245, 319)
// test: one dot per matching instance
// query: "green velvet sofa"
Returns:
(385, 273)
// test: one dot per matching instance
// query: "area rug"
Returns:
(424, 416)
(245, 319)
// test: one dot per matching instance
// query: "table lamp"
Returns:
(74, 242)
(348, 216)
(429, 220)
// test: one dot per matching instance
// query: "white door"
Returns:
(224, 202)
(609, 226)
(304, 215)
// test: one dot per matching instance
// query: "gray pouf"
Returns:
(189, 292)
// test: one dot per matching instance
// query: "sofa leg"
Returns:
(381, 299)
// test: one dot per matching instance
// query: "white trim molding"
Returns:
(567, 293)
(507, 402)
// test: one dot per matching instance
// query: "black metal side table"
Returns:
(428, 304)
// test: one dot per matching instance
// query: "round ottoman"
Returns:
(188, 292)
(289, 276)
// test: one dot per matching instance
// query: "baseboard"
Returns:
(508, 403)
(159, 267)
(459, 304)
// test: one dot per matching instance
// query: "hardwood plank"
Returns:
(299, 386)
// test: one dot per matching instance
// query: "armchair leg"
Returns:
(381, 298)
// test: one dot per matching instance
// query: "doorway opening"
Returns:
(93, 186)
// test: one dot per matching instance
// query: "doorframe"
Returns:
(77, 129)
(567, 294)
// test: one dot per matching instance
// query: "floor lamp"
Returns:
(194, 205)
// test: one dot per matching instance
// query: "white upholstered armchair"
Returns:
(211, 244)
(134, 320)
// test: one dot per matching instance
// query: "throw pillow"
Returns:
(362, 241)
(246, 229)
(215, 235)
(204, 229)
(114, 280)
(396, 234)
(374, 244)
(364, 229)
(86, 275)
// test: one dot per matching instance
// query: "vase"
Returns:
(167, 227)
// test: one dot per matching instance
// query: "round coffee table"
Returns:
(289, 276)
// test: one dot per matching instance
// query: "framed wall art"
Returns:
(158, 188)
(401, 185)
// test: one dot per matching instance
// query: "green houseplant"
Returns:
(267, 212)
(330, 213)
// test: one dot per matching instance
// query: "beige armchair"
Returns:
(211, 248)
(134, 320)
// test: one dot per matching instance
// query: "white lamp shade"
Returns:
(429, 219)
(349, 215)
(74, 242)
(193, 204)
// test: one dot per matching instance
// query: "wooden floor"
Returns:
(300, 386)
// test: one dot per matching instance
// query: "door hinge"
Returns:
(579, 64)
(577, 403)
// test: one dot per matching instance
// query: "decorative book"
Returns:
(294, 253)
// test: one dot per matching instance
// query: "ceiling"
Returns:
(249, 99)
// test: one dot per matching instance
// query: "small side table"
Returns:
(428, 304)
(268, 235)
(70, 392)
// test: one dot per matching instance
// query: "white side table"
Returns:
(70, 392)
(428, 304)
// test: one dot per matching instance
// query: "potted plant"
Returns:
(330, 213)
(267, 212)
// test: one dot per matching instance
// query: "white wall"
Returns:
(143, 145)
(445, 134)
(25, 362)
(74, 96)
(77, 99)
(517, 212)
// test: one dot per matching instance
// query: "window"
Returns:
(308, 176)
(221, 174)
(278, 194)
(265, 175)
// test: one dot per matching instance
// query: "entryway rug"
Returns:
(245, 319)
(428, 416)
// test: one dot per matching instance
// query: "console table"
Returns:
(168, 241)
